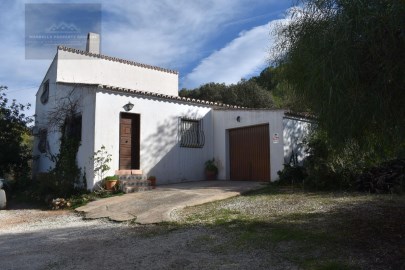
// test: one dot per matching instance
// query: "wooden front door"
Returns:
(129, 141)
(249, 152)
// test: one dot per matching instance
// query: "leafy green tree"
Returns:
(344, 62)
(271, 80)
(210, 91)
(267, 78)
(245, 93)
(248, 94)
(15, 152)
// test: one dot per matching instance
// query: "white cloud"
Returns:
(169, 33)
(242, 57)
(165, 33)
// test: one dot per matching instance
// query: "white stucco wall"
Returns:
(41, 162)
(160, 154)
(226, 119)
(86, 107)
(294, 132)
(78, 68)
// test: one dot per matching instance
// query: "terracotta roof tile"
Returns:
(162, 96)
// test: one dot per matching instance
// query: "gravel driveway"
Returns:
(35, 239)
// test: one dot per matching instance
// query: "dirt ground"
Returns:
(36, 239)
(266, 229)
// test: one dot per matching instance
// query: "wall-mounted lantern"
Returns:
(238, 118)
(127, 107)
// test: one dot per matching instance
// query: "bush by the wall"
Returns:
(388, 177)
(291, 175)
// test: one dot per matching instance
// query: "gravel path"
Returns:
(263, 231)
(35, 239)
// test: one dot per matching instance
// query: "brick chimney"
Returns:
(93, 43)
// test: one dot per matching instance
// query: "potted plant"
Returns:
(152, 180)
(211, 169)
(111, 182)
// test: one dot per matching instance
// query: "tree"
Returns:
(267, 78)
(245, 93)
(344, 61)
(210, 91)
(248, 94)
(65, 178)
(270, 79)
(15, 152)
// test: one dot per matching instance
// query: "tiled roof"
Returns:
(115, 59)
(170, 97)
(300, 115)
(161, 96)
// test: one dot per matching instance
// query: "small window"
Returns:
(45, 92)
(42, 144)
(191, 133)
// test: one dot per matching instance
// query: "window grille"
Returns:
(191, 133)
(45, 92)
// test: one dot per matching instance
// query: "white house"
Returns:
(163, 135)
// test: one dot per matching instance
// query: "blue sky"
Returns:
(205, 40)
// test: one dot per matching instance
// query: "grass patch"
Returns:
(164, 228)
(83, 199)
(314, 264)
(313, 230)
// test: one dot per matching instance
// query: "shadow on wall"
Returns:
(294, 133)
(162, 156)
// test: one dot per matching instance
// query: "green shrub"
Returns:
(291, 175)
(111, 178)
(331, 168)
(50, 185)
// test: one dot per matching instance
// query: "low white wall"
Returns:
(77, 68)
(294, 132)
(226, 119)
(160, 153)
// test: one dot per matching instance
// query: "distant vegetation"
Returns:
(262, 91)
(343, 65)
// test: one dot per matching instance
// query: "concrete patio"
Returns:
(156, 205)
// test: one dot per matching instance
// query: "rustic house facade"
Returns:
(135, 112)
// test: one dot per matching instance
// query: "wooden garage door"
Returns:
(129, 141)
(249, 152)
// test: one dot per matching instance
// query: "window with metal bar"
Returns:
(191, 133)
(45, 92)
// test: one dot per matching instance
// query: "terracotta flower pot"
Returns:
(152, 182)
(210, 175)
(110, 184)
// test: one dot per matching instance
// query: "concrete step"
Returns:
(128, 172)
(134, 183)
(131, 189)
(132, 177)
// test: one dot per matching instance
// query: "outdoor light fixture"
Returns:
(238, 118)
(127, 107)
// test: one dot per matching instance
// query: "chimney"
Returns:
(93, 43)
